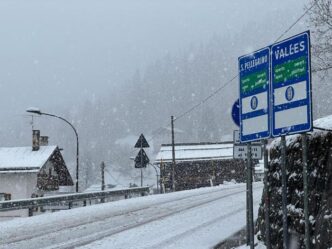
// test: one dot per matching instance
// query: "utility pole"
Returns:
(173, 155)
(102, 166)
(162, 172)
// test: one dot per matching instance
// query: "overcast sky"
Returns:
(58, 53)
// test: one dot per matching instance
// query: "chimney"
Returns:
(35, 140)
(43, 140)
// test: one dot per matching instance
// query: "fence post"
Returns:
(30, 210)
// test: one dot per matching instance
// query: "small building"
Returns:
(259, 171)
(27, 172)
(98, 187)
(199, 165)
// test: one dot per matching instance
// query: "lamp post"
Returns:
(37, 111)
(156, 176)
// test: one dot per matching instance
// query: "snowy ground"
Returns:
(189, 219)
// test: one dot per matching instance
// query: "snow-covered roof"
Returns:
(196, 152)
(24, 158)
(322, 123)
(325, 122)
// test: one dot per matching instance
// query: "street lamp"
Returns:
(37, 111)
(156, 176)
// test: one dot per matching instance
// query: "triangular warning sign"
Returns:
(141, 142)
(141, 159)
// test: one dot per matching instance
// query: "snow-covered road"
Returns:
(189, 219)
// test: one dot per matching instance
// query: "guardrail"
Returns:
(69, 199)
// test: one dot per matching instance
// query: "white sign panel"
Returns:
(240, 152)
(236, 137)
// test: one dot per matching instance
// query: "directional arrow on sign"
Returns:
(141, 142)
(141, 159)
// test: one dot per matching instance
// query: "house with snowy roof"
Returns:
(27, 172)
(199, 165)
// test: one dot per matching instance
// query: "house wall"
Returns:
(195, 174)
(20, 186)
(49, 165)
(48, 179)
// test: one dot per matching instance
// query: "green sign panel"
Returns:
(290, 70)
(254, 81)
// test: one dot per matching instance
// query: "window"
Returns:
(5, 196)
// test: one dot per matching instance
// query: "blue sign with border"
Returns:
(291, 86)
(236, 112)
(254, 87)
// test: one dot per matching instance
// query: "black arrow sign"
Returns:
(141, 159)
(141, 142)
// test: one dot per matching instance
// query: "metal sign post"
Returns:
(291, 101)
(141, 164)
(247, 208)
(254, 101)
(250, 197)
(305, 190)
(284, 192)
(267, 198)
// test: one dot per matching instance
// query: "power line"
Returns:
(183, 114)
(234, 77)
(328, 67)
(296, 21)
(207, 98)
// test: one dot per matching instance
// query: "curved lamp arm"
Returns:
(37, 111)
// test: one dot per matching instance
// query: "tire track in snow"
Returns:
(170, 240)
(104, 234)
(53, 229)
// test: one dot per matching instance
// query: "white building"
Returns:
(27, 172)
(199, 165)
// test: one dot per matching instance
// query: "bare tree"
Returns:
(320, 21)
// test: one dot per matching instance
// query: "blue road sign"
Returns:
(291, 85)
(236, 112)
(255, 95)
